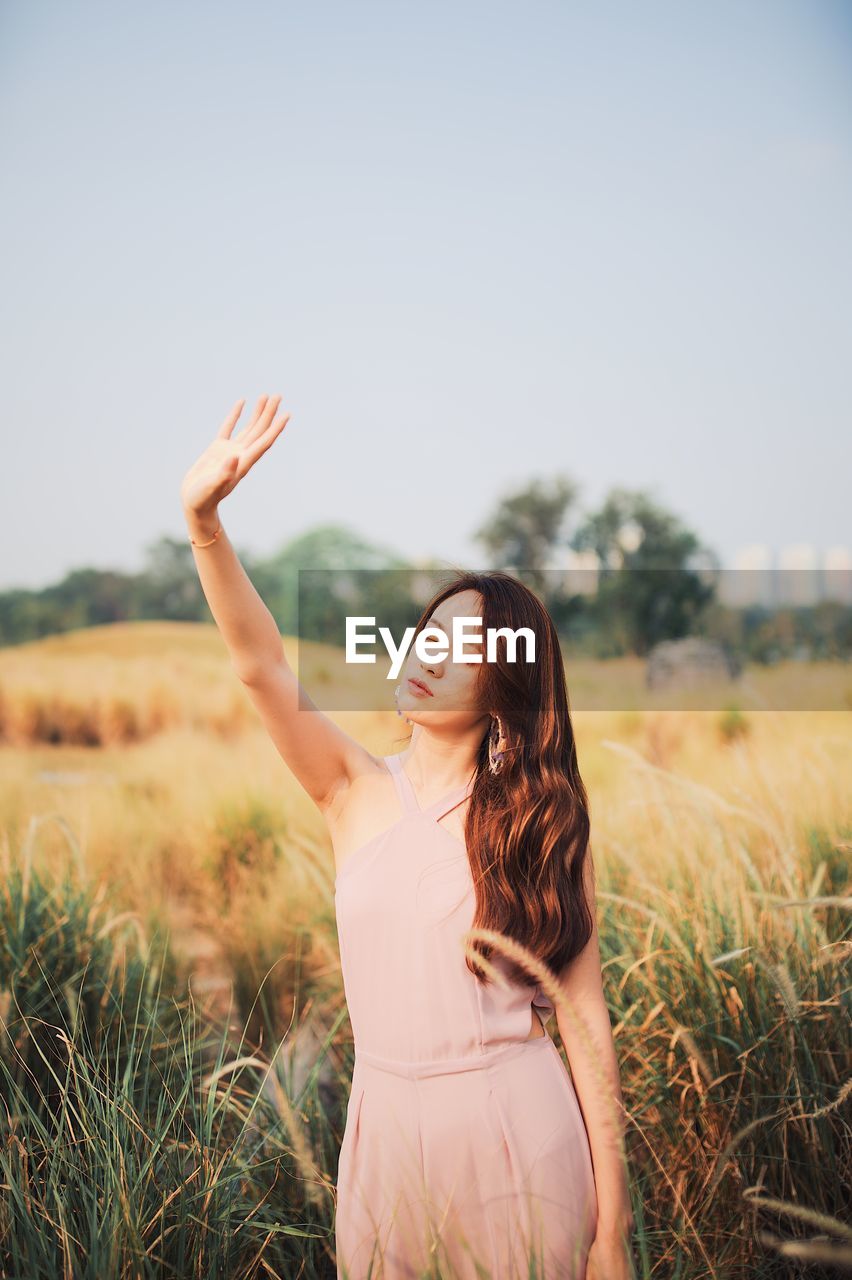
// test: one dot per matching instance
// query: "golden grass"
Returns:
(112, 685)
(722, 855)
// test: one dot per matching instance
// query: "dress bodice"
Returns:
(404, 901)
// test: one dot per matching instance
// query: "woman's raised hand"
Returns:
(226, 459)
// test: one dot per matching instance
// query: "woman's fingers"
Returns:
(262, 443)
(259, 408)
(269, 411)
(256, 436)
(266, 407)
(247, 426)
(227, 426)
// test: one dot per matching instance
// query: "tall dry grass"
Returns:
(722, 847)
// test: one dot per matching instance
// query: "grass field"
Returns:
(174, 1047)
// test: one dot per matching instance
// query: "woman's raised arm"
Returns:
(322, 756)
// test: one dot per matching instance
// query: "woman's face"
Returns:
(450, 687)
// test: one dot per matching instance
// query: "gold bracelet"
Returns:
(207, 544)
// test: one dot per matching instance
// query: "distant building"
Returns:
(797, 576)
(836, 576)
(749, 582)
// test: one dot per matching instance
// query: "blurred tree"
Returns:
(343, 558)
(655, 577)
(169, 586)
(527, 528)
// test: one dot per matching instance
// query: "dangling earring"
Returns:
(496, 745)
(396, 700)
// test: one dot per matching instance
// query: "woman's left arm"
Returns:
(586, 1033)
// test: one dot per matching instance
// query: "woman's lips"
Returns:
(419, 688)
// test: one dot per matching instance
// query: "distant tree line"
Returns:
(655, 581)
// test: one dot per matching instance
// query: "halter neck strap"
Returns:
(409, 800)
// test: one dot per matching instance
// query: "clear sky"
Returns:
(470, 244)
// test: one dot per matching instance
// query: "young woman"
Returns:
(468, 1147)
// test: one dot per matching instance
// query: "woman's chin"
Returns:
(415, 711)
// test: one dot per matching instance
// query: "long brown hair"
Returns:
(527, 827)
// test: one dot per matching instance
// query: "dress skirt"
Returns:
(474, 1167)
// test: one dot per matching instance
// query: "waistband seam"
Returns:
(450, 1066)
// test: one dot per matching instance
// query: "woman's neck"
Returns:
(441, 761)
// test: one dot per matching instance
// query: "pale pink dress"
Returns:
(464, 1141)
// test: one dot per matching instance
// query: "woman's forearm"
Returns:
(246, 625)
(594, 1070)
